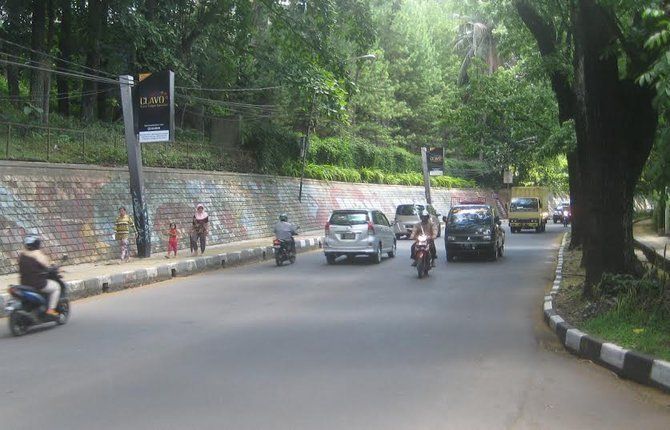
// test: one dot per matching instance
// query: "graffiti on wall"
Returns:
(74, 210)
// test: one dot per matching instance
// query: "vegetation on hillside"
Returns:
(373, 81)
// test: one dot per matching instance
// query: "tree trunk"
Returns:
(51, 14)
(97, 12)
(12, 32)
(103, 109)
(65, 45)
(615, 123)
(576, 237)
(38, 42)
(13, 85)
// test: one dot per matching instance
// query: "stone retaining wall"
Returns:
(73, 207)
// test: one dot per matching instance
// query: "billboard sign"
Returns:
(154, 98)
(436, 161)
(508, 177)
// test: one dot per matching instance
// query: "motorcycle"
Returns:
(283, 251)
(422, 256)
(566, 218)
(28, 306)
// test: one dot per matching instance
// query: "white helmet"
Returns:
(32, 242)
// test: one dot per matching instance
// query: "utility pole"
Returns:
(667, 210)
(305, 145)
(426, 174)
(140, 215)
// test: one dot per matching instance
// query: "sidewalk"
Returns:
(105, 276)
(645, 234)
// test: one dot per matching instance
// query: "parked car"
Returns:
(473, 230)
(355, 232)
(558, 212)
(407, 216)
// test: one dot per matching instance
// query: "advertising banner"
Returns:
(154, 97)
(436, 161)
(508, 177)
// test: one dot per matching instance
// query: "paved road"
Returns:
(312, 346)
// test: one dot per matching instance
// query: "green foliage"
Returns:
(357, 153)
(656, 175)
(373, 176)
(311, 62)
(507, 120)
(640, 318)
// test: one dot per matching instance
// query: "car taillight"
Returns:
(277, 242)
(371, 228)
(327, 228)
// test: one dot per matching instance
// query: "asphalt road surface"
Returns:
(312, 346)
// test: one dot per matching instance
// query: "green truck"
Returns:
(528, 209)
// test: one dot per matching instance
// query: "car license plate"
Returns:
(349, 236)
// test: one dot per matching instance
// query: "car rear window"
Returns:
(409, 209)
(349, 218)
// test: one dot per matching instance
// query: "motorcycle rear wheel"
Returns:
(421, 268)
(278, 260)
(63, 310)
(18, 324)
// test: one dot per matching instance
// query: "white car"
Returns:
(355, 232)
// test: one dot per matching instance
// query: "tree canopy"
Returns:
(390, 74)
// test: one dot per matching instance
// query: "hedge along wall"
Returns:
(73, 207)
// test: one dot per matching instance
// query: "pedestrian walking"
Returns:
(199, 230)
(124, 224)
(173, 240)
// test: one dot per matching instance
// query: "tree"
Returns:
(615, 121)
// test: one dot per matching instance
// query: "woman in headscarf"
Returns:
(199, 230)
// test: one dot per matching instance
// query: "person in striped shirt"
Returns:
(124, 224)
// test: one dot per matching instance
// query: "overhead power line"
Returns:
(101, 72)
(63, 73)
(38, 64)
(232, 90)
(227, 103)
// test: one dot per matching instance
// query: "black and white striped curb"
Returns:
(78, 289)
(626, 363)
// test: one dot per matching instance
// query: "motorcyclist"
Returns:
(428, 228)
(34, 267)
(285, 231)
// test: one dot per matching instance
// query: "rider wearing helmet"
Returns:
(428, 228)
(33, 268)
(285, 231)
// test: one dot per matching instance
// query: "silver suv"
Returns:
(407, 216)
(358, 232)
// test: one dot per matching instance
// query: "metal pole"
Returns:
(48, 142)
(306, 145)
(141, 217)
(426, 174)
(9, 135)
